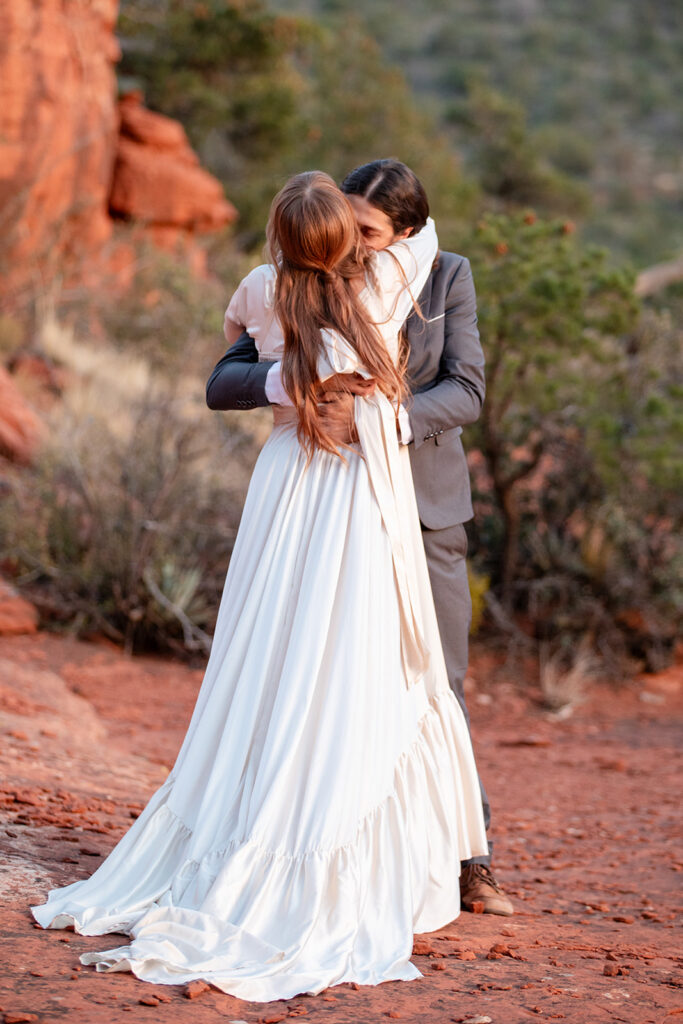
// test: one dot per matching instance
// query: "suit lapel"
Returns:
(417, 330)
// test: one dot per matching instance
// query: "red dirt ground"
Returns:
(587, 831)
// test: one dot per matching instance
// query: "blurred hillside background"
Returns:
(548, 138)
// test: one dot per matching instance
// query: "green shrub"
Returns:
(506, 158)
(265, 95)
(582, 436)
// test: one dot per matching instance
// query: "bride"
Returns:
(325, 792)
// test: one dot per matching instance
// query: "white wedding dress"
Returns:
(325, 792)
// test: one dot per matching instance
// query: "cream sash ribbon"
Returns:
(376, 425)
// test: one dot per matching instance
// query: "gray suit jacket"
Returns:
(446, 377)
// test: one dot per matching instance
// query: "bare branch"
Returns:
(194, 637)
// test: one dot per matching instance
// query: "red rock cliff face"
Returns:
(58, 131)
(158, 183)
(62, 159)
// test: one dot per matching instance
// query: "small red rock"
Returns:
(26, 796)
(610, 970)
(423, 947)
(466, 954)
(623, 919)
(19, 1018)
(148, 1001)
(195, 988)
(438, 967)
(478, 907)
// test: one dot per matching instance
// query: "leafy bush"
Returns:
(264, 96)
(126, 522)
(506, 158)
(582, 439)
(165, 313)
(600, 83)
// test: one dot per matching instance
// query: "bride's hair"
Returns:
(317, 249)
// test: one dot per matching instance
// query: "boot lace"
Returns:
(483, 871)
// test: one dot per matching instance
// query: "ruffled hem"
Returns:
(267, 924)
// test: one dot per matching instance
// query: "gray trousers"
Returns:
(446, 552)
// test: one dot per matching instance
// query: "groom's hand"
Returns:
(348, 384)
(336, 410)
(336, 405)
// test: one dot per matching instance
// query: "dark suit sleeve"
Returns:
(457, 395)
(238, 380)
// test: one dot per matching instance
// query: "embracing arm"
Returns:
(457, 395)
(238, 380)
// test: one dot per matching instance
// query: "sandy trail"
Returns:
(587, 831)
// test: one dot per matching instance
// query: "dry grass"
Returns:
(126, 521)
(104, 384)
(107, 386)
(564, 681)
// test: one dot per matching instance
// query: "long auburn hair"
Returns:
(318, 251)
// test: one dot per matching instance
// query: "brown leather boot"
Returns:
(478, 885)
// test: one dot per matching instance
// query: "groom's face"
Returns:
(375, 226)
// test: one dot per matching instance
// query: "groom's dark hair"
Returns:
(394, 189)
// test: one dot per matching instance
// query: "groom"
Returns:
(446, 377)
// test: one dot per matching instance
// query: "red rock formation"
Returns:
(61, 159)
(17, 616)
(20, 428)
(58, 129)
(158, 181)
(157, 177)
